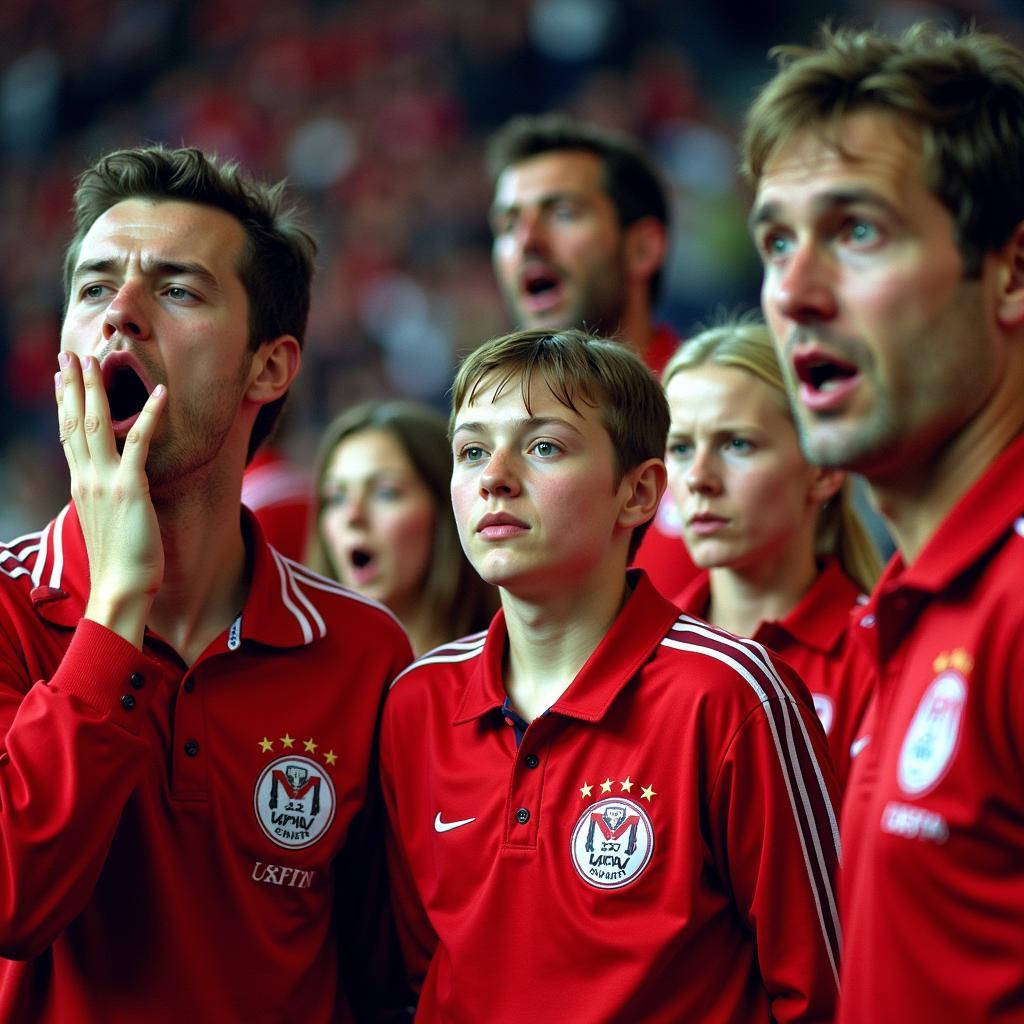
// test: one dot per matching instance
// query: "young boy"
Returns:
(601, 810)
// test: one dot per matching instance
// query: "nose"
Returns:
(801, 289)
(499, 477)
(702, 476)
(353, 511)
(125, 315)
(530, 233)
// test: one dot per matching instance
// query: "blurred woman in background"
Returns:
(383, 522)
(784, 554)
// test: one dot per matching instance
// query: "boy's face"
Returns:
(886, 347)
(534, 490)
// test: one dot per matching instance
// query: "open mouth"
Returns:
(823, 374)
(360, 558)
(126, 392)
(539, 282)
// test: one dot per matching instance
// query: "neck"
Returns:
(205, 567)
(550, 640)
(743, 598)
(421, 626)
(636, 329)
(916, 497)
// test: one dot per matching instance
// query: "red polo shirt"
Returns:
(175, 838)
(933, 822)
(658, 847)
(814, 638)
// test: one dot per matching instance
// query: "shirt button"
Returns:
(522, 815)
(192, 747)
(137, 680)
(868, 621)
(532, 760)
(190, 685)
(127, 702)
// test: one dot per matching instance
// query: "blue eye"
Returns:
(545, 449)
(471, 453)
(680, 449)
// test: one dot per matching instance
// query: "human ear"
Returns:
(646, 247)
(826, 484)
(1010, 299)
(274, 366)
(644, 485)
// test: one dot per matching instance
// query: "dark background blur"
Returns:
(376, 110)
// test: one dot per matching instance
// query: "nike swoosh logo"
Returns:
(858, 745)
(447, 826)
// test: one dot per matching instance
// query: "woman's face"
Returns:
(377, 519)
(746, 495)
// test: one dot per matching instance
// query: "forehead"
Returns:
(496, 399)
(719, 392)
(368, 451)
(869, 151)
(535, 177)
(168, 231)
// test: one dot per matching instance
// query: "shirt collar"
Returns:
(280, 609)
(637, 630)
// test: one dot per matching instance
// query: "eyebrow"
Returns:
(545, 199)
(527, 423)
(771, 211)
(161, 268)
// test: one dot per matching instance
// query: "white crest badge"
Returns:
(612, 843)
(294, 802)
(825, 709)
(931, 740)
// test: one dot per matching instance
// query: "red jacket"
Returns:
(658, 848)
(174, 838)
(933, 822)
(814, 639)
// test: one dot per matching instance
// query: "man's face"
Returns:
(157, 299)
(888, 351)
(558, 250)
(535, 491)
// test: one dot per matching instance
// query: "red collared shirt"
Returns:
(814, 639)
(172, 836)
(933, 822)
(658, 848)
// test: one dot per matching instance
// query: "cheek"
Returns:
(409, 534)
(677, 483)
(330, 531)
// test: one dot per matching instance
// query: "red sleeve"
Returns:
(70, 756)
(776, 843)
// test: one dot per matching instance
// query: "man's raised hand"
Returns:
(112, 498)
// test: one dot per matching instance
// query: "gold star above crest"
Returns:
(647, 792)
(627, 784)
(606, 786)
(310, 746)
(330, 757)
(287, 742)
(585, 790)
(266, 745)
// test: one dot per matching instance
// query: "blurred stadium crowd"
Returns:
(377, 112)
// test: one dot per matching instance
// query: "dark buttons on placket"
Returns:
(522, 815)
(192, 747)
(531, 760)
(137, 680)
(127, 702)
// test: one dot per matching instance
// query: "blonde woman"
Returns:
(783, 553)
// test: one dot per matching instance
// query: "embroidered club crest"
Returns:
(612, 843)
(931, 740)
(294, 802)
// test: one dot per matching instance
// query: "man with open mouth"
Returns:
(580, 218)
(186, 716)
(890, 220)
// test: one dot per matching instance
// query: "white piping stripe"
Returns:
(307, 632)
(800, 829)
(58, 548)
(749, 647)
(21, 555)
(35, 535)
(15, 572)
(44, 543)
(439, 660)
(313, 579)
(297, 591)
